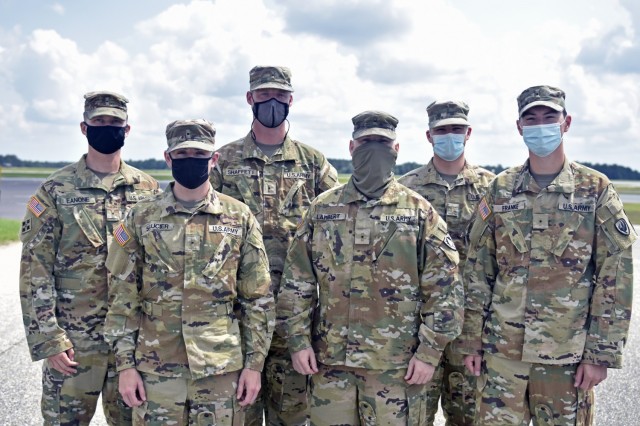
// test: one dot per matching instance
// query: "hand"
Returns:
(64, 362)
(304, 361)
(248, 386)
(473, 363)
(131, 387)
(419, 372)
(589, 375)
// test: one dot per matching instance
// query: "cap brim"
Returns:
(273, 86)
(378, 131)
(448, 121)
(193, 144)
(112, 112)
(549, 104)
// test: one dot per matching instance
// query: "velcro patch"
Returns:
(157, 226)
(483, 209)
(509, 207)
(80, 199)
(241, 172)
(121, 235)
(35, 206)
(331, 216)
(297, 175)
(397, 218)
(622, 226)
(26, 226)
(576, 206)
(225, 230)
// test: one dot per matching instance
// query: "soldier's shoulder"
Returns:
(413, 177)
(142, 176)
(307, 151)
(230, 202)
(482, 172)
(412, 197)
(61, 179)
(232, 147)
(584, 172)
(331, 195)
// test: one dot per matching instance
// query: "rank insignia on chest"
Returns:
(473, 197)
(622, 227)
(35, 206)
(121, 235)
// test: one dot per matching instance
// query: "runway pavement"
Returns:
(616, 398)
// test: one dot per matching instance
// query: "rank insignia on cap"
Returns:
(623, 227)
(449, 242)
(121, 235)
(484, 209)
(36, 207)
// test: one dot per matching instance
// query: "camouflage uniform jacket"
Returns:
(177, 274)
(385, 271)
(65, 234)
(549, 271)
(278, 190)
(455, 204)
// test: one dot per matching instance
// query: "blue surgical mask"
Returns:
(450, 146)
(542, 139)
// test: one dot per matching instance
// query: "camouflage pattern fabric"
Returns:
(357, 396)
(177, 274)
(63, 281)
(549, 271)
(456, 204)
(179, 401)
(278, 190)
(519, 393)
(383, 273)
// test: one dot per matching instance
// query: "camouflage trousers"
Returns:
(283, 396)
(178, 401)
(455, 387)
(355, 396)
(515, 393)
(72, 400)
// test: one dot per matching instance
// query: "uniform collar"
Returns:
(563, 183)
(170, 205)
(390, 196)
(467, 176)
(86, 178)
(286, 152)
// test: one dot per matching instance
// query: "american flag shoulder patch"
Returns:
(35, 206)
(121, 235)
(483, 209)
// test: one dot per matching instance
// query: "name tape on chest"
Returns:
(241, 172)
(509, 207)
(577, 206)
(223, 229)
(70, 200)
(331, 216)
(158, 226)
(397, 218)
(297, 175)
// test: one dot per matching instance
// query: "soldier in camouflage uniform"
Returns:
(180, 263)
(63, 280)
(454, 188)
(277, 177)
(374, 261)
(549, 276)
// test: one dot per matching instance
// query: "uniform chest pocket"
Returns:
(559, 237)
(248, 189)
(328, 237)
(158, 255)
(513, 230)
(296, 199)
(226, 255)
(88, 226)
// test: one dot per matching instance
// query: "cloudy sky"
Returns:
(177, 60)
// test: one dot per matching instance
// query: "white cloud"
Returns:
(58, 8)
(193, 59)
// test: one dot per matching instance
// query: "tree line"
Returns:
(613, 171)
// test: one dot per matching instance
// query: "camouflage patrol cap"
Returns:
(442, 113)
(374, 123)
(268, 77)
(197, 133)
(541, 95)
(105, 103)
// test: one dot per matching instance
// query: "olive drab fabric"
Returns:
(177, 275)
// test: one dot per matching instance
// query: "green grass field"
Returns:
(9, 230)
(633, 211)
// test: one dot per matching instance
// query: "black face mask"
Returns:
(105, 139)
(190, 172)
(270, 113)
